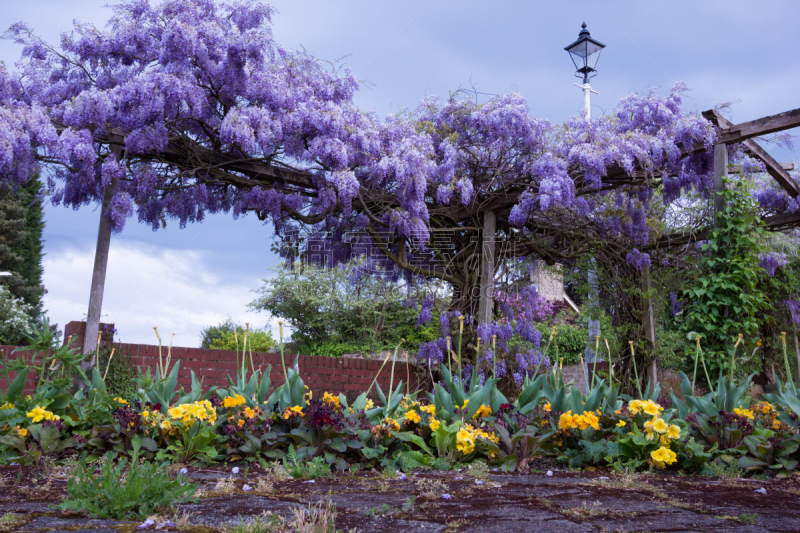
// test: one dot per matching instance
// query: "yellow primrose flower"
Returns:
(413, 416)
(120, 400)
(145, 413)
(674, 432)
(483, 410)
(233, 401)
(241, 422)
(369, 405)
(465, 404)
(292, 411)
(166, 425)
(663, 456)
(391, 424)
(652, 408)
(766, 408)
(776, 424)
(22, 432)
(430, 409)
(38, 414)
(6, 405)
(635, 406)
(249, 413)
(465, 440)
(434, 424)
(567, 421)
(659, 426)
(744, 412)
(649, 435)
(547, 407)
(331, 399)
(621, 424)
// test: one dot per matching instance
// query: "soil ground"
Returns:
(367, 502)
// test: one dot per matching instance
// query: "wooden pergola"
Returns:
(744, 133)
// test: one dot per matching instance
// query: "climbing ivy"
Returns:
(726, 299)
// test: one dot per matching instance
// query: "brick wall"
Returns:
(350, 376)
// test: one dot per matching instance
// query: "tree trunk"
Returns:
(98, 275)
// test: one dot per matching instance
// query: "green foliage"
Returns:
(222, 337)
(21, 227)
(726, 299)
(15, 319)
(338, 310)
(315, 468)
(120, 376)
(126, 490)
(571, 341)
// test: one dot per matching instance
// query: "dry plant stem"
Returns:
(283, 363)
(449, 357)
(478, 356)
(236, 340)
(160, 361)
(635, 371)
(250, 349)
(705, 369)
(733, 357)
(379, 372)
(394, 360)
(789, 376)
(547, 349)
(408, 375)
(585, 369)
(494, 353)
(97, 351)
(696, 359)
(169, 351)
(460, 336)
(108, 365)
(610, 365)
(594, 367)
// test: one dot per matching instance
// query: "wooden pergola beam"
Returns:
(774, 169)
(761, 126)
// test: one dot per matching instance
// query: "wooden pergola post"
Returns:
(720, 173)
(488, 251)
(649, 324)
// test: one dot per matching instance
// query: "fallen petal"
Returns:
(762, 490)
(446, 496)
(183, 471)
(167, 524)
(147, 524)
(549, 473)
(247, 488)
(235, 470)
(478, 482)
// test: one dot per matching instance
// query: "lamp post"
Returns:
(584, 54)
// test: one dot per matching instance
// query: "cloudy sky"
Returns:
(184, 279)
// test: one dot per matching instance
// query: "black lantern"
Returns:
(584, 53)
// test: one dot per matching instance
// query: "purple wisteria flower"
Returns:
(771, 261)
(637, 259)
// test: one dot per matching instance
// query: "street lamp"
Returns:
(584, 54)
